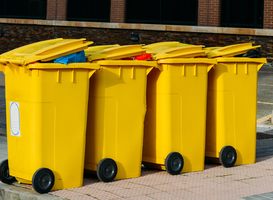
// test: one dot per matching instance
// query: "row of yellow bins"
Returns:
(166, 105)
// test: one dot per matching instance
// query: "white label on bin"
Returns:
(15, 119)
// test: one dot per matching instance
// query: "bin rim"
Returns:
(187, 60)
(44, 51)
(241, 59)
(127, 62)
(48, 66)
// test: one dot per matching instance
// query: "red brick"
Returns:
(268, 14)
(117, 11)
(209, 15)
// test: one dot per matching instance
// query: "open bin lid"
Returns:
(161, 46)
(231, 50)
(158, 44)
(94, 49)
(44, 51)
(188, 51)
(117, 52)
(208, 49)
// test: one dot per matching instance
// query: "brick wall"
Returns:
(117, 11)
(51, 9)
(19, 35)
(268, 14)
(209, 12)
(61, 9)
(56, 9)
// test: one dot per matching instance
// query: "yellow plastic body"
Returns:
(231, 50)
(115, 122)
(117, 52)
(232, 107)
(44, 51)
(93, 49)
(176, 103)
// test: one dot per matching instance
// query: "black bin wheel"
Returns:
(228, 156)
(4, 173)
(174, 163)
(107, 170)
(43, 180)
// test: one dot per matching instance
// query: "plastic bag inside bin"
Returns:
(251, 54)
(78, 57)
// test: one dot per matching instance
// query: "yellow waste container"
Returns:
(175, 122)
(232, 106)
(46, 106)
(114, 136)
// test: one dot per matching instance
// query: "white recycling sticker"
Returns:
(15, 119)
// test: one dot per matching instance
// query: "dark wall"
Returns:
(18, 35)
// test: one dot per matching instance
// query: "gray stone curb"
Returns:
(11, 192)
(265, 126)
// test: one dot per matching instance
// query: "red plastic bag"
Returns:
(140, 57)
(143, 57)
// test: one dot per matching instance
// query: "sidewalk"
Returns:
(253, 181)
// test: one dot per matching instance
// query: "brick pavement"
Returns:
(215, 182)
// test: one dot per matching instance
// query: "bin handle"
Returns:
(91, 72)
(209, 67)
(2, 68)
(149, 69)
(259, 66)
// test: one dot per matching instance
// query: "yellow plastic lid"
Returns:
(154, 45)
(231, 50)
(188, 51)
(117, 52)
(208, 49)
(94, 49)
(154, 49)
(44, 51)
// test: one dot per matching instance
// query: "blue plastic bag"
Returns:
(78, 57)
